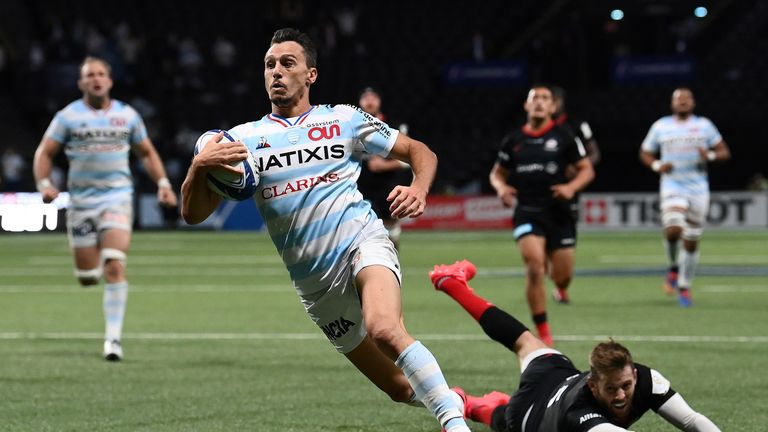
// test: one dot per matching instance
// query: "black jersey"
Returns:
(537, 160)
(572, 408)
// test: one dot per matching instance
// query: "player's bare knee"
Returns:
(535, 270)
(386, 336)
(114, 264)
(113, 270)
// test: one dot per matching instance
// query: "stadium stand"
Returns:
(186, 72)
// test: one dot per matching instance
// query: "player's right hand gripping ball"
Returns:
(231, 186)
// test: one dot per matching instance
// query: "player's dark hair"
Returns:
(293, 35)
(682, 88)
(93, 59)
(607, 357)
(370, 89)
(558, 93)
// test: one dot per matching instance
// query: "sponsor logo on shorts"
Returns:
(83, 229)
(337, 328)
(568, 241)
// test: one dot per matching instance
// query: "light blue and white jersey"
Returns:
(679, 142)
(97, 144)
(308, 194)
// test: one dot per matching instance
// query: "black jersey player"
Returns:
(530, 174)
(379, 175)
(554, 396)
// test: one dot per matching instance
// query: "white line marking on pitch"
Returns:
(705, 259)
(242, 270)
(172, 260)
(318, 336)
(727, 289)
(74, 289)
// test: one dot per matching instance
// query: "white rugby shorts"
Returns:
(337, 310)
(696, 206)
(84, 225)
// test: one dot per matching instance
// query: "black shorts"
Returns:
(540, 379)
(557, 226)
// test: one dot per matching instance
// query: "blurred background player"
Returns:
(534, 158)
(553, 395)
(685, 143)
(97, 134)
(335, 248)
(578, 127)
(583, 131)
(379, 175)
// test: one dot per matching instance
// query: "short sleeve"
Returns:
(505, 156)
(138, 131)
(713, 135)
(575, 150)
(373, 135)
(661, 390)
(651, 141)
(58, 129)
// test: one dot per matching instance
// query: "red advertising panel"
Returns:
(461, 212)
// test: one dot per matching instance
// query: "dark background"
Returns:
(192, 66)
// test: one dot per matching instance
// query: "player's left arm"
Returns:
(717, 153)
(410, 201)
(671, 406)
(378, 164)
(678, 413)
(590, 143)
(149, 157)
(716, 150)
(584, 176)
(593, 151)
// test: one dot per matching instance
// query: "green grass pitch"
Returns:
(216, 339)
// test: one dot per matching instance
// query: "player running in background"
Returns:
(685, 143)
(335, 248)
(554, 396)
(379, 175)
(535, 158)
(97, 134)
(578, 127)
(581, 130)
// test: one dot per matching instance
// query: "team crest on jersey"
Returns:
(551, 167)
(293, 137)
(550, 144)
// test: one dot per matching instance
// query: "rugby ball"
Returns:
(231, 186)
